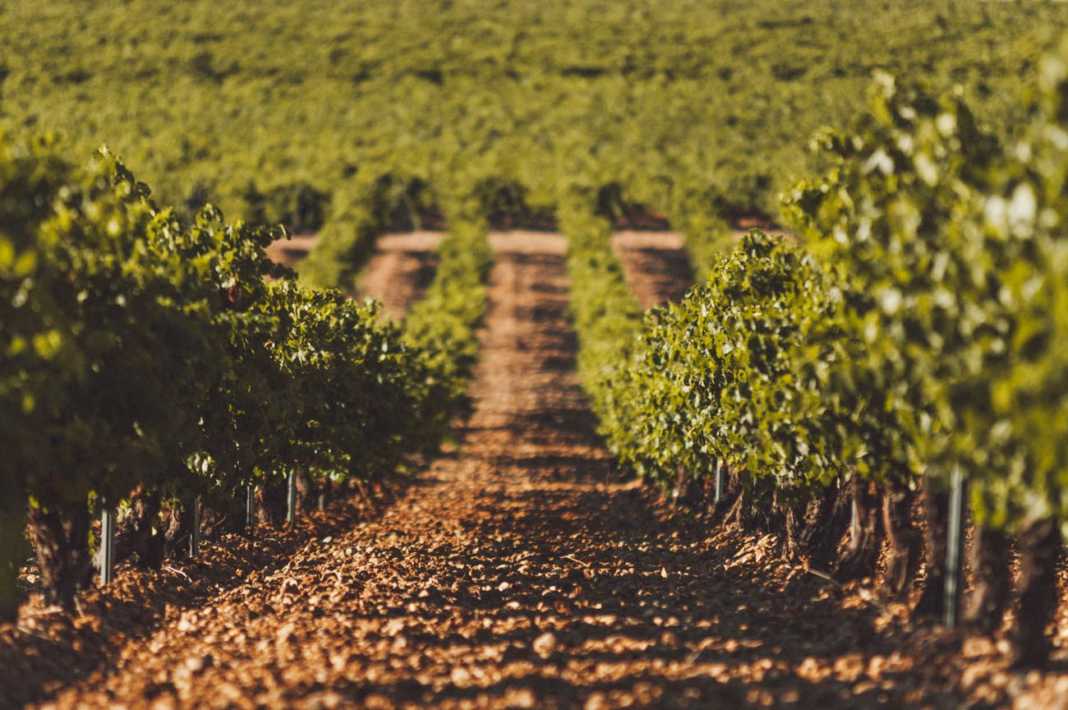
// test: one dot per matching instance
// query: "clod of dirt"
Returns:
(544, 645)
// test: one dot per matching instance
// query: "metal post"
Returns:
(955, 547)
(291, 498)
(719, 482)
(107, 542)
(194, 534)
(250, 508)
(854, 509)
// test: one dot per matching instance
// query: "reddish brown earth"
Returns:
(656, 265)
(400, 270)
(292, 249)
(518, 570)
(396, 275)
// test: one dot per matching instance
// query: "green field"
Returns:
(287, 111)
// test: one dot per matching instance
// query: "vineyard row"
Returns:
(910, 341)
(161, 369)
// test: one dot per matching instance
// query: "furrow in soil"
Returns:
(400, 270)
(656, 265)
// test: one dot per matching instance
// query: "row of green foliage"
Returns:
(363, 210)
(918, 328)
(295, 109)
(704, 382)
(914, 327)
(138, 350)
(443, 322)
(604, 311)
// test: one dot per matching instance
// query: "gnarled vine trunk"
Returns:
(12, 551)
(862, 552)
(327, 490)
(309, 491)
(271, 501)
(903, 541)
(728, 493)
(314, 492)
(179, 530)
(992, 591)
(1039, 546)
(739, 515)
(826, 523)
(142, 535)
(932, 603)
(61, 540)
(770, 509)
(793, 512)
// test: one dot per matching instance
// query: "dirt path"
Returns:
(518, 572)
(397, 274)
(521, 571)
(656, 265)
(292, 249)
(400, 270)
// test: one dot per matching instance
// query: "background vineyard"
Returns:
(836, 385)
(667, 101)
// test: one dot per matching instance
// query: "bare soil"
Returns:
(396, 275)
(292, 249)
(656, 265)
(400, 270)
(519, 569)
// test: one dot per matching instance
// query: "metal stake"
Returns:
(854, 512)
(107, 543)
(250, 508)
(955, 547)
(719, 482)
(194, 534)
(291, 498)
